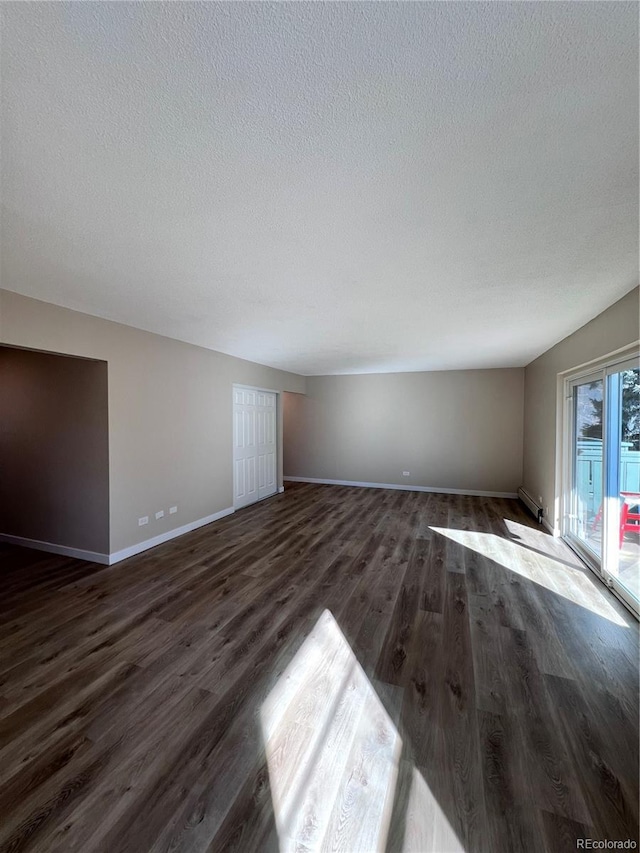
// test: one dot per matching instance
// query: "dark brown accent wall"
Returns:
(54, 449)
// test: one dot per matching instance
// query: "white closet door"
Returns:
(254, 446)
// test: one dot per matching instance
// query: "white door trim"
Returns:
(255, 388)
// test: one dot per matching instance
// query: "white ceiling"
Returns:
(326, 188)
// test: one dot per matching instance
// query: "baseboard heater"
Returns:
(530, 504)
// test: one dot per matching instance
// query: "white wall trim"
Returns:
(441, 491)
(52, 548)
(552, 530)
(117, 556)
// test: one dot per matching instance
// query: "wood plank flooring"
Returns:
(332, 669)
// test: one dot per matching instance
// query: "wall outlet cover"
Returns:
(160, 514)
(173, 510)
(143, 520)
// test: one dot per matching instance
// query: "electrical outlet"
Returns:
(144, 520)
(546, 512)
(160, 514)
(539, 500)
(406, 473)
(173, 510)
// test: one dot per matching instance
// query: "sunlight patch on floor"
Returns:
(426, 827)
(572, 584)
(333, 752)
(541, 541)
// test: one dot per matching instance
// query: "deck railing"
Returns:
(589, 472)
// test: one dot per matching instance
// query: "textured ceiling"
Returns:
(326, 188)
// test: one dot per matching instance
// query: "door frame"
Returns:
(585, 553)
(279, 488)
(601, 369)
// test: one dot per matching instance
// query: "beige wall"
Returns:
(615, 328)
(170, 416)
(450, 429)
(170, 412)
(54, 449)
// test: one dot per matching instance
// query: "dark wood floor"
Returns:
(192, 698)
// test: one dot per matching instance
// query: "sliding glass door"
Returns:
(602, 501)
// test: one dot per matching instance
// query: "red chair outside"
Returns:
(629, 521)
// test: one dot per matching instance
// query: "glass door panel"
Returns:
(586, 517)
(622, 562)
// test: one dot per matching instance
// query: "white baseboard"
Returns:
(552, 530)
(117, 556)
(52, 548)
(280, 489)
(441, 491)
